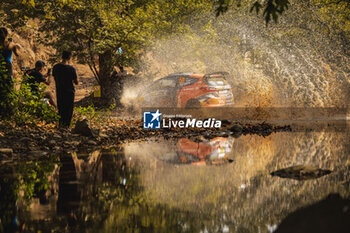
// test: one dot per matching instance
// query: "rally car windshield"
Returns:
(216, 81)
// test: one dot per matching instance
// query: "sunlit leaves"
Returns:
(29, 3)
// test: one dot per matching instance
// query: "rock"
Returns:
(33, 148)
(6, 150)
(25, 140)
(52, 142)
(72, 143)
(225, 122)
(56, 136)
(3, 157)
(103, 135)
(37, 153)
(90, 142)
(83, 128)
(236, 128)
(328, 215)
(45, 148)
(301, 172)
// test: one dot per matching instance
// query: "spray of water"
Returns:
(268, 67)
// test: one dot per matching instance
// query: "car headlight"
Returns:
(208, 96)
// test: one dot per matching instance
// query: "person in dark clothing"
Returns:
(35, 77)
(65, 77)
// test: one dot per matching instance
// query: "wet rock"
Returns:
(33, 148)
(6, 150)
(236, 128)
(45, 148)
(225, 122)
(301, 172)
(3, 157)
(37, 153)
(52, 142)
(83, 128)
(91, 142)
(103, 135)
(72, 143)
(327, 215)
(56, 136)
(25, 140)
(236, 131)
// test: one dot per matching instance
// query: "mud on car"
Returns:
(186, 90)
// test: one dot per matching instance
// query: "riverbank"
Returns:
(31, 142)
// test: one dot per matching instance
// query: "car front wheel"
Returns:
(193, 103)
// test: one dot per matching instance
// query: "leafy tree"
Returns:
(106, 34)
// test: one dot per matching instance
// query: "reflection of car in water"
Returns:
(211, 152)
(189, 90)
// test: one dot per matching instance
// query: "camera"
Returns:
(25, 68)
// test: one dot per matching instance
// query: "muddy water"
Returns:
(184, 185)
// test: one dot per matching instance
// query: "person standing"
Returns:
(7, 47)
(65, 77)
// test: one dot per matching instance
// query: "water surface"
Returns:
(178, 185)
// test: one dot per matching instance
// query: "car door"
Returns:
(162, 93)
(185, 90)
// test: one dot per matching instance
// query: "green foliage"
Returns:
(92, 114)
(33, 177)
(96, 30)
(23, 106)
(31, 108)
(85, 112)
(6, 88)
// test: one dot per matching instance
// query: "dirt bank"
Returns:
(26, 143)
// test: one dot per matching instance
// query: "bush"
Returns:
(85, 112)
(31, 108)
(23, 106)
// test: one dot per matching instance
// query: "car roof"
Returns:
(176, 75)
(193, 75)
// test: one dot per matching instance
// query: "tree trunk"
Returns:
(111, 83)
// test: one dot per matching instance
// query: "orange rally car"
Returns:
(185, 90)
(214, 151)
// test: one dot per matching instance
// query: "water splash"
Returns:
(269, 66)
